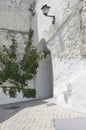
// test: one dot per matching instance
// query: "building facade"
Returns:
(61, 74)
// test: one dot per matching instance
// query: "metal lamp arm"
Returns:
(53, 22)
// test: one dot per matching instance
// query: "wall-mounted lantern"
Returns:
(45, 9)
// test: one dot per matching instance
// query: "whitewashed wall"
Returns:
(15, 21)
(67, 42)
(44, 77)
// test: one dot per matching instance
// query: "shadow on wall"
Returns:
(44, 78)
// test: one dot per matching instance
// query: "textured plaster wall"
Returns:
(14, 14)
(15, 21)
(67, 42)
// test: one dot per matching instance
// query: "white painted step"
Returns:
(71, 124)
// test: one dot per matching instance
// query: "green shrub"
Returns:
(18, 72)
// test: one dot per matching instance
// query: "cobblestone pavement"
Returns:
(38, 115)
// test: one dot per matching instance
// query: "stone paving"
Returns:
(38, 115)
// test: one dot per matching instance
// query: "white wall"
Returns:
(15, 15)
(15, 21)
(44, 77)
(67, 42)
(5, 99)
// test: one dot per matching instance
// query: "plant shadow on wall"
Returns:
(18, 72)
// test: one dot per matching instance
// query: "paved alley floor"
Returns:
(33, 115)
